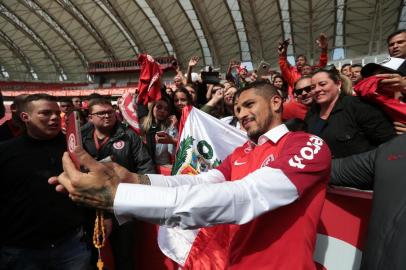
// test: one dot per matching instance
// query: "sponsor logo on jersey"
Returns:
(237, 163)
(307, 152)
(268, 160)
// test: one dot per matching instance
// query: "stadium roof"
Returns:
(53, 40)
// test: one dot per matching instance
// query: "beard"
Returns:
(260, 129)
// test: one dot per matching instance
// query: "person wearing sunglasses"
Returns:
(106, 137)
(302, 90)
(295, 109)
(348, 124)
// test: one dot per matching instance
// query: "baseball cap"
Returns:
(389, 65)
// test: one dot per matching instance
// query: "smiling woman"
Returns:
(348, 125)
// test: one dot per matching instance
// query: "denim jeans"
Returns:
(72, 254)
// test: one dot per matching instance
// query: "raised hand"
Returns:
(322, 41)
(97, 187)
(392, 83)
(193, 61)
(234, 63)
(217, 96)
(283, 46)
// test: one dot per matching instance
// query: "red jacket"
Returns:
(293, 109)
(291, 74)
(394, 108)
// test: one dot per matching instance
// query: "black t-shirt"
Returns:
(32, 213)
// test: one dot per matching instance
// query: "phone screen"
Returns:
(73, 136)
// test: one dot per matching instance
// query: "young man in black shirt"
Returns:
(39, 228)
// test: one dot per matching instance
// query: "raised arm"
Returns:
(192, 63)
(322, 43)
(237, 202)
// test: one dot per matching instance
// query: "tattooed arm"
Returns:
(98, 187)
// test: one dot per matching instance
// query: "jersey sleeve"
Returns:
(305, 160)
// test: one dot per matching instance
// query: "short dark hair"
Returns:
(98, 101)
(25, 104)
(18, 101)
(344, 66)
(264, 89)
(301, 55)
(66, 100)
(302, 78)
(400, 31)
(94, 95)
(356, 65)
(331, 71)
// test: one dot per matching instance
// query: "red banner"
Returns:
(118, 91)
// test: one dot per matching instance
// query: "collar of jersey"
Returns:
(273, 135)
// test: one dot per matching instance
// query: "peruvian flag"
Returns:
(149, 85)
(204, 142)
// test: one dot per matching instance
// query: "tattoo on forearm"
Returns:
(144, 179)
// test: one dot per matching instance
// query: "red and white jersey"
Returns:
(273, 192)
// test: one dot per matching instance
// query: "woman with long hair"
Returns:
(181, 98)
(281, 85)
(160, 133)
(348, 124)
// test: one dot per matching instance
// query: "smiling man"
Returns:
(262, 202)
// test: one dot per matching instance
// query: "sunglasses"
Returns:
(299, 91)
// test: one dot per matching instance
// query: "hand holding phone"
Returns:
(262, 69)
(283, 46)
(163, 137)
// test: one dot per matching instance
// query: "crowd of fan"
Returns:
(354, 110)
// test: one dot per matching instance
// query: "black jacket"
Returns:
(383, 170)
(353, 126)
(124, 145)
(32, 213)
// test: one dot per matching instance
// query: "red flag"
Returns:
(369, 89)
(149, 85)
(129, 111)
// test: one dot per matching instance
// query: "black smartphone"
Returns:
(211, 77)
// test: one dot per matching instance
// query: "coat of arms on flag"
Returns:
(190, 160)
(204, 142)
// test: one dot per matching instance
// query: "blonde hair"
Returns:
(150, 120)
(346, 85)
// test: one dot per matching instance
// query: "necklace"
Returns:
(99, 236)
